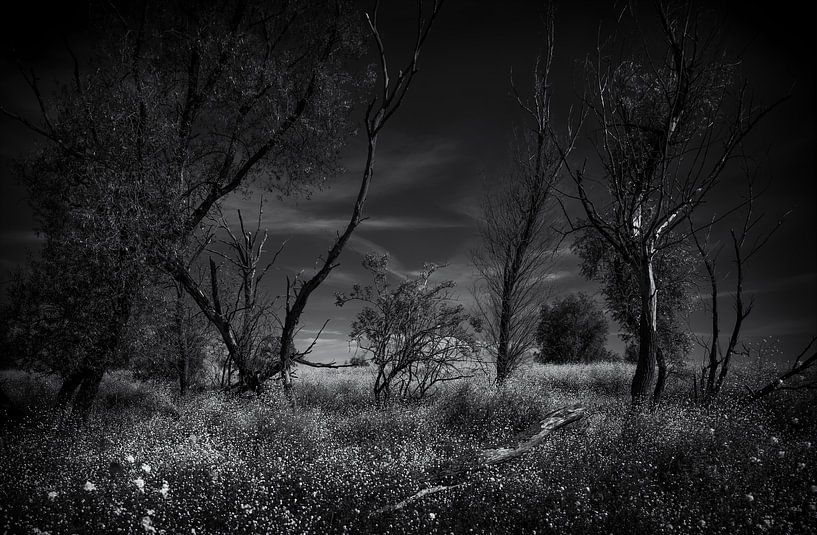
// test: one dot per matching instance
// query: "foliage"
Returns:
(414, 334)
(176, 106)
(573, 329)
(674, 279)
(223, 464)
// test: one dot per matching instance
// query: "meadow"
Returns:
(147, 461)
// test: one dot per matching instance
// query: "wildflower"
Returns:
(140, 484)
(750, 498)
(130, 458)
(164, 490)
(52, 495)
(147, 523)
(702, 523)
(795, 421)
(800, 466)
(711, 430)
(754, 459)
(807, 445)
(89, 486)
(150, 512)
(781, 454)
(146, 468)
(775, 440)
(432, 516)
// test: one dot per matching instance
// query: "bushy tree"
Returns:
(572, 329)
(414, 334)
(175, 107)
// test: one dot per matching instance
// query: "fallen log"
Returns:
(491, 457)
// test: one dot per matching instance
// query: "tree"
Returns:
(380, 109)
(674, 279)
(413, 333)
(515, 229)
(572, 329)
(189, 103)
(745, 244)
(669, 117)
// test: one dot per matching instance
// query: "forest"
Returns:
(211, 333)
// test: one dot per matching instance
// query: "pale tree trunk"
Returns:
(645, 369)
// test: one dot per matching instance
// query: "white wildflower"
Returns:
(147, 523)
(775, 440)
(164, 490)
(140, 484)
(89, 486)
(750, 498)
(432, 516)
(131, 459)
(52, 495)
(146, 468)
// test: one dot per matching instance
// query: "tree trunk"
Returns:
(287, 350)
(183, 358)
(661, 381)
(69, 387)
(87, 391)
(645, 369)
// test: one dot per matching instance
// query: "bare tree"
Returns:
(744, 247)
(250, 312)
(516, 229)
(669, 119)
(380, 110)
(416, 337)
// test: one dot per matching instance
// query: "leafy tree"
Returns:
(572, 329)
(414, 334)
(669, 119)
(674, 278)
(177, 106)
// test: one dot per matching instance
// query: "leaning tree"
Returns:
(669, 114)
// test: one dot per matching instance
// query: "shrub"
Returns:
(573, 329)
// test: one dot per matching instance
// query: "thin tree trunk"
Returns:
(183, 358)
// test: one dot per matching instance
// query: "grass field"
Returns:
(147, 462)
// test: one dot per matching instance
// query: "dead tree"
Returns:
(792, 379)
(669, 118)
(462, 472)
(381, 108)
(249, 313)
(744, 247)
(516, 228)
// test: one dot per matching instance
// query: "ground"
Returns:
(149, 462)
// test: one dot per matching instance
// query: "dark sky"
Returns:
(453, 134)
